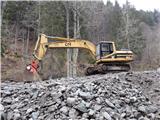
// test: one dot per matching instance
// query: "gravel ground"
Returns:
(119, 96)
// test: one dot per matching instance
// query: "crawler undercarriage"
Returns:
(106, 68)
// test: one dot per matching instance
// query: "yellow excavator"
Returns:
(106, 56)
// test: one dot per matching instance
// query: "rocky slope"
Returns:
(121, 96)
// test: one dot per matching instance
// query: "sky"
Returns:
(141, 4)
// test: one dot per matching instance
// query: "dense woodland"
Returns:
(133, 29)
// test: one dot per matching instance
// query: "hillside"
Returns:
(129, 28)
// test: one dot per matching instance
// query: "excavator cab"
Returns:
(104, 48)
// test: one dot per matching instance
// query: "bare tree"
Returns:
(151, 53)
(76, 35)
(125, 28)
(69, 70)
(39, 16)
(15, 38)
(3, 5)
(27, 45)
(127, 22)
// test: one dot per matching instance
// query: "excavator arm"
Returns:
(44, 42)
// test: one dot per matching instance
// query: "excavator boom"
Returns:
(44, 42)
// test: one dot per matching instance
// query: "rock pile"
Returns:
(99, 97)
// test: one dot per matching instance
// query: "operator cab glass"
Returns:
(104, 49)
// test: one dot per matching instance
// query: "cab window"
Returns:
(106, 49)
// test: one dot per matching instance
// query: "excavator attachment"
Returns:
(31, 71)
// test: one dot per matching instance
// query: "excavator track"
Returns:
(106, 68)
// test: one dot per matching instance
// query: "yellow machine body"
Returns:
(105, 52)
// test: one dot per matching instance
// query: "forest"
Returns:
(23, 21)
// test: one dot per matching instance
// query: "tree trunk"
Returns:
(127, 25)
(39, 17)
(27, 41)
(127, 29)
(68, 50)
(76, 35)
(23, 51)
(15, 39)
(3, 5)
